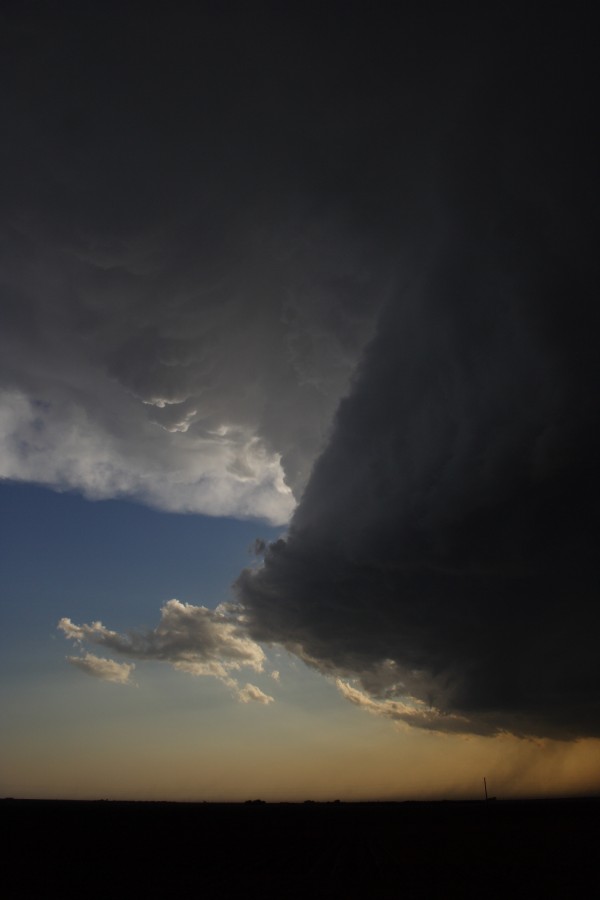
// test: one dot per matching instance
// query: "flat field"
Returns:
(545, 848)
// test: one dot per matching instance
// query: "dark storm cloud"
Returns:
(209, 216)
(443, 558)
(183, 296)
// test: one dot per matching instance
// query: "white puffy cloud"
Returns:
(193, 639)
(60, 443)
(250, 692)
(105, 669)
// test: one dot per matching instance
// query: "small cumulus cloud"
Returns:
(105, 669)
(250, 693)
(193, 639)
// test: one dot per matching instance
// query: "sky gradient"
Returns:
(298, 404)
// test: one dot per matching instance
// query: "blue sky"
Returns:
(115, 560)
(64, 555)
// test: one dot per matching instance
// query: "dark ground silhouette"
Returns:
(410, 850)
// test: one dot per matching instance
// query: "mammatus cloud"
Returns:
(106, 669)
(193, 639)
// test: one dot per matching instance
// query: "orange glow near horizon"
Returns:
(347, 757)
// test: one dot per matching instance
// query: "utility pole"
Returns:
(485, 788)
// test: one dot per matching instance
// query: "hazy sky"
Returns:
(298, 402)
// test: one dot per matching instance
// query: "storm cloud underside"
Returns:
(179, 315)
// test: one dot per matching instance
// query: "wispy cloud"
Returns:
(193, 639)
(411, 712)
(250, 692)
(105, 669)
